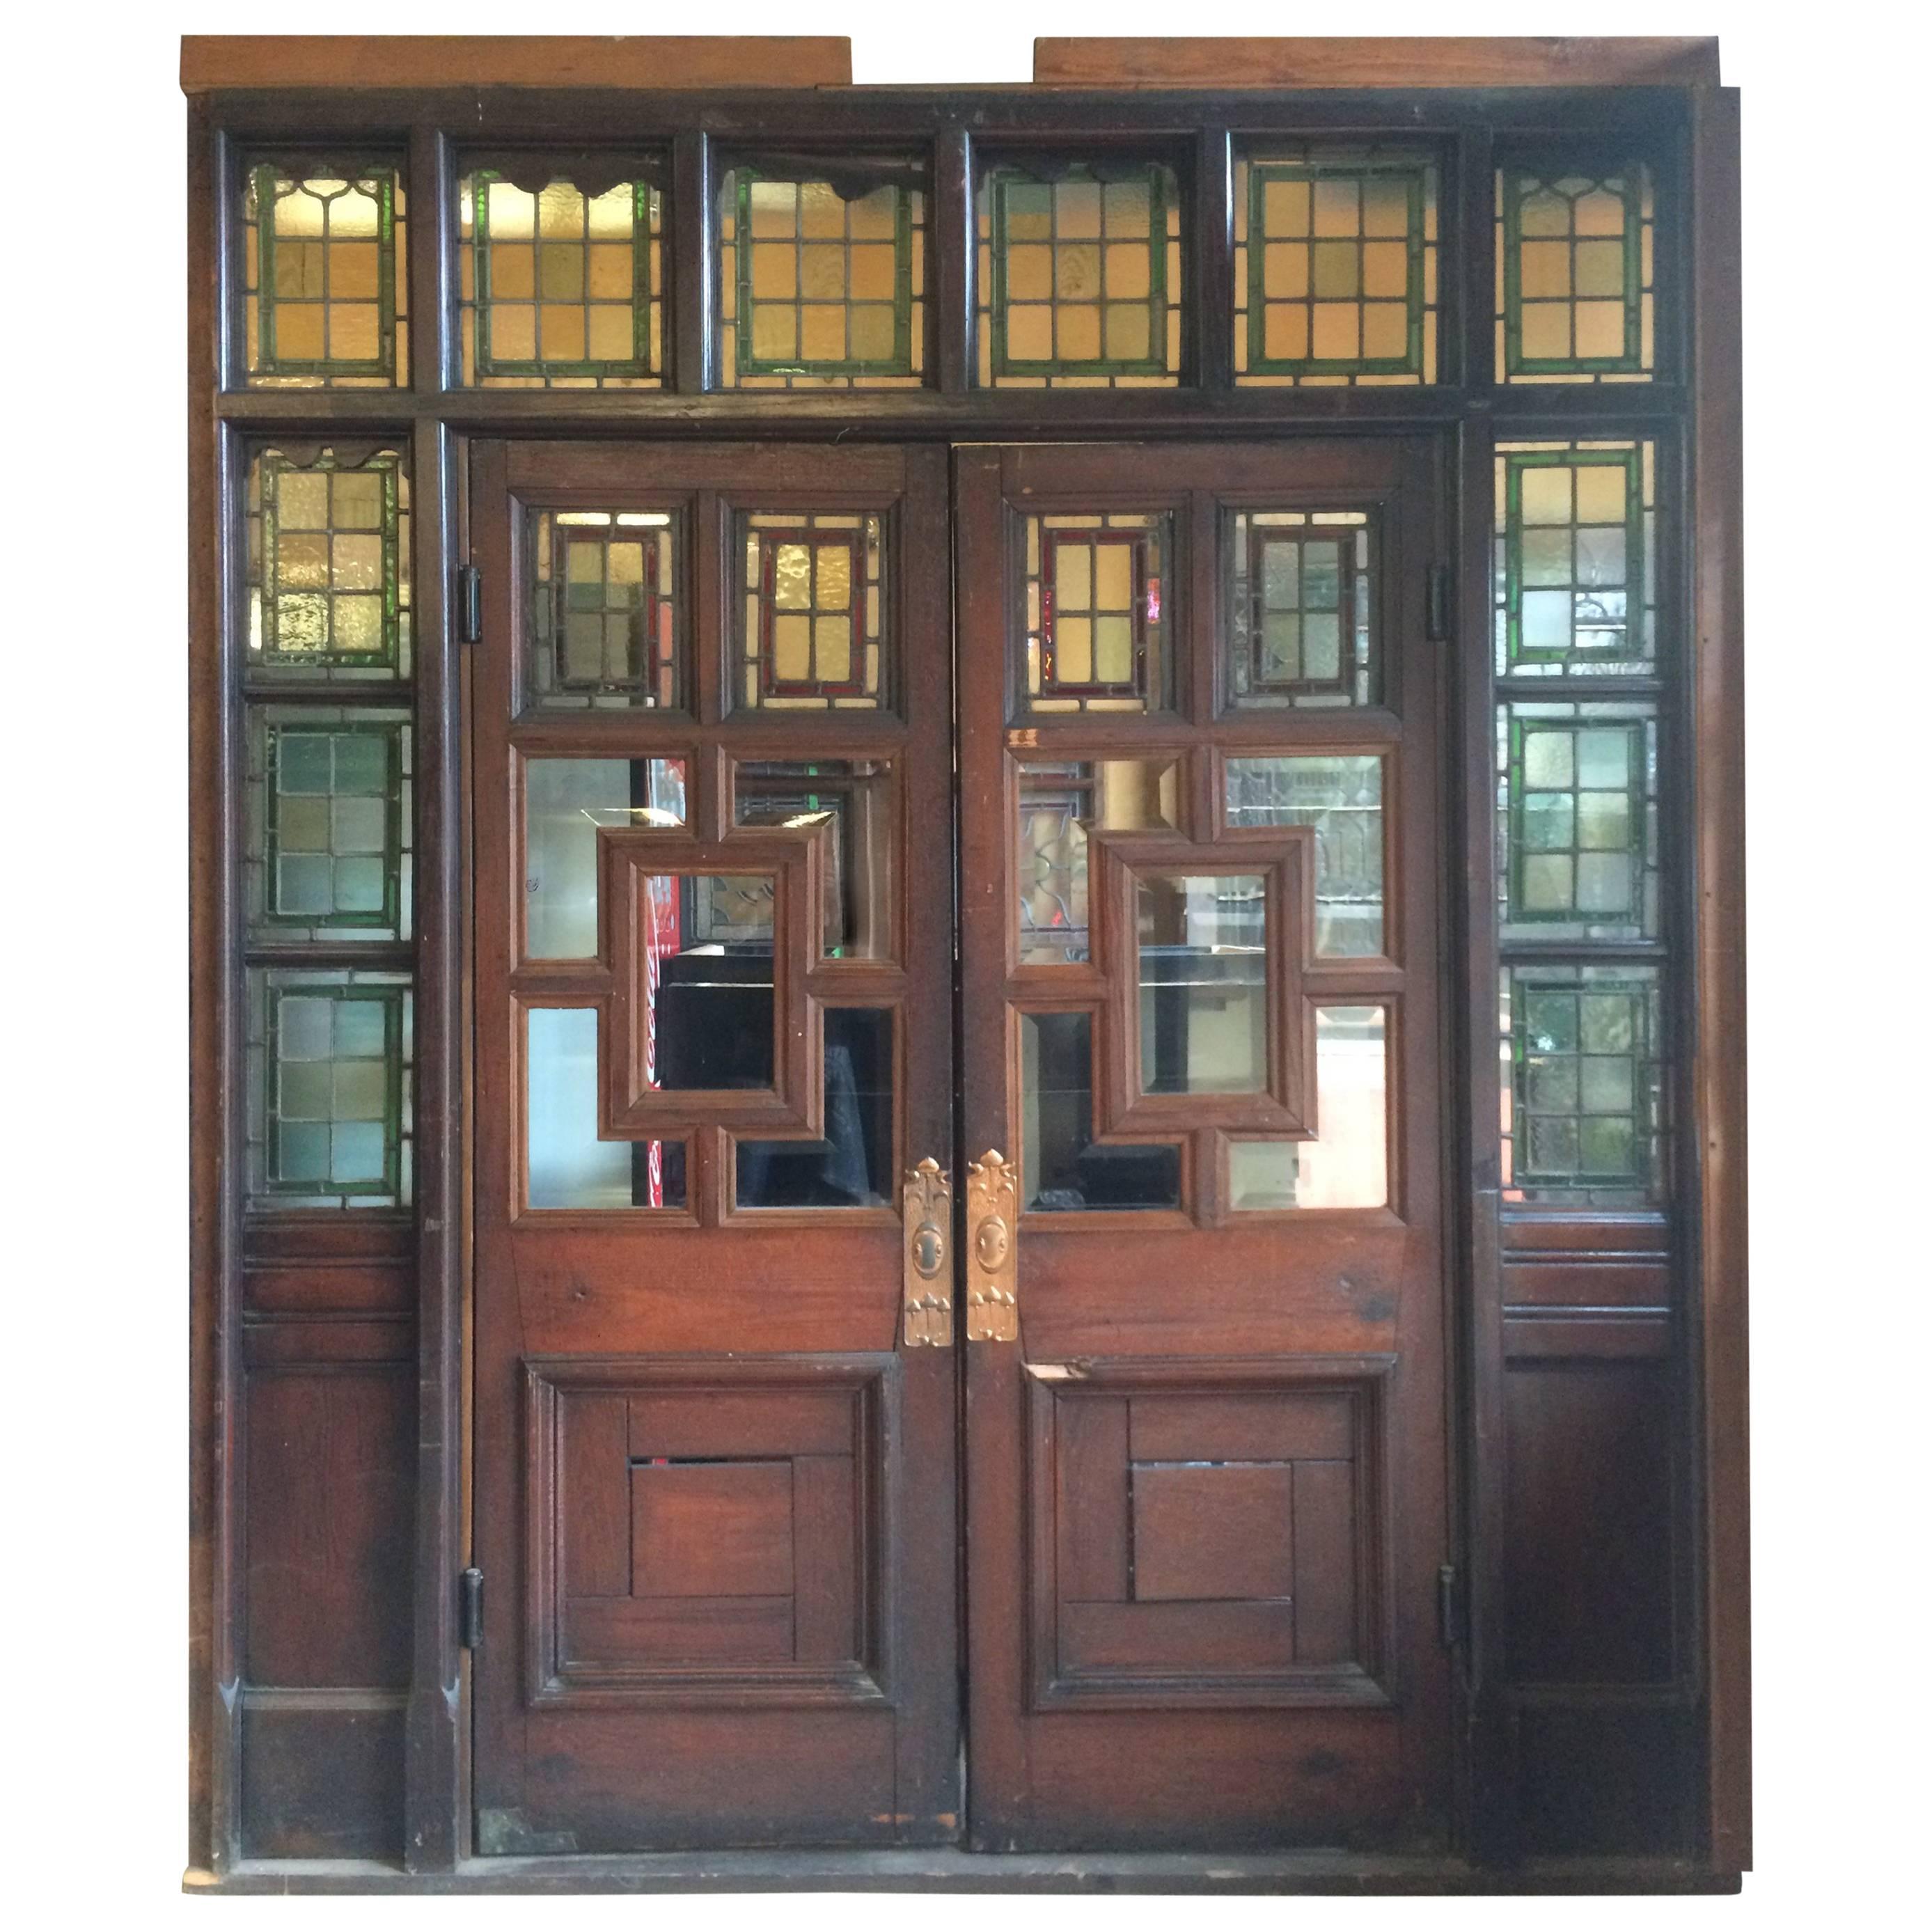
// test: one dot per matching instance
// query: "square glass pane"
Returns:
(1341, 796)
(607, 613)
(1346, 1164)
(710, 1017)
(1095, 599)
(853, 1165)
(811, 603)
(1062, 1169)
(566, 803)
(853, 799)
(1201, 973)
(566, 1164)
(1299, 627)
(1060, 802)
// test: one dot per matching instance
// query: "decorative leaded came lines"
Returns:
(1335, 267)
(324, 300)
(1576, 566)
(605, 621)
(1575, 263)
(1299, 623)
(811, 606)
(1095, 610)
(1080, 279)
(329, 587)
(1059, 802)
(819, 281)
(1340, 796)
(560, 280)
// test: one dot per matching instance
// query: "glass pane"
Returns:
(1203, 979)
(560, 283)
(1063, 1168)
(1300, 623)
(568, 1165)
(1346, 1165)
(1059, 804)
(607, 614)
(1342, 798)
(1575, 576)
(1575, 251)
(853, 1166)
(710, 1021)
(1576, 821)
(1582, 1086)
(325, 283)
(328, 1088)
(1080, 279)
(812, 598)
(565, 802)
(821, 284)
(328, 820)
(1096, 617)
(853, 799)
(329, 567)
(1335, 267)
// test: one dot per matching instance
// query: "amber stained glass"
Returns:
(812, 610)
(1575, 256)
(1096, 592)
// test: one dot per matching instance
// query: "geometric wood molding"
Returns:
(1209, 1534)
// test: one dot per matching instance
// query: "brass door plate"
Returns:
(927, 1215)
(992, 1260)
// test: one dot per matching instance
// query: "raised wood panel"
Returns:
(322, 1780)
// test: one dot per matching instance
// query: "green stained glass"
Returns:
(323, 280)
(328, 591)
(1576, 251)
(333, 836)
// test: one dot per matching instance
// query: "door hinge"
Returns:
(1449, 1605)
(1441, 627)
(469, 1609)
(469, 603)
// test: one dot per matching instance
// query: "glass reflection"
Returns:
(1062, 1169)
(1346, 1165)
(852, 798)
(1203, 982)
(852, 1166)
(708, 1019)
(567, 1165)
(1059, 804)
(566, 801)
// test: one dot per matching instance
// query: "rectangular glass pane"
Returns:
(1576, 566)
(566, 802)
(853, 1166)
(607, 615)
(1346, 1164)
(567, 1165)
(325, 276)
(1059, 803)
(328, 1122)
(1582, 1086)
(1341, 796)
(1299, 627)
(560, 279)
(852, 799)
(822, 282)
(329, 567)
(1080, 275)
(709, 1022)
(1335, 267)
(1202, 976)
(1096, 589)
(812, 603)
(328, 811)
(1062, 1169)
(1575, 249)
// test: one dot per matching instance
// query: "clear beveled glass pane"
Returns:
(1341, 796)
(852, 1165)
(1202, 976)
(1062, 1169)
(567, 1165)
(708, 939)
(852, 799)
(1346, 1165)
(1059, 804)
(566, 801)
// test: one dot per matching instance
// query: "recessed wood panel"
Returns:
(322, 1781)
(711, 1529)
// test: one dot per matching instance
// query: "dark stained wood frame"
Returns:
(250, 92)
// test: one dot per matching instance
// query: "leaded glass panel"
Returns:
(1335, 267)
(329, 565)
(560, 281)
(607, 618)
(820, 283)
(1575, 251)
(1301, 618)
(812, 607)
(328, 809)
(1060, 801)
(1080, 275)
(1576, 568)
(1582, 1086)
(1346, 1165)
(1097, 622)
(329, 1106)
(324, 276)
(1341, 796)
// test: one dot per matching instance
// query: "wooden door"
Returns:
(1206, 1471)
(713, 1498)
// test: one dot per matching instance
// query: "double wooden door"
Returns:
(960, 1316)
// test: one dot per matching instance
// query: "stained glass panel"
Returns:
(560, 284)
(1301, 617)
(1346, 1164)
(1060, 802)
(1576, 252)
(328, 566)
(818, 285)
(607, 618)
(1097, 619)
(1335, 267)
(812, 605)
(1341, 796)
(1080, 275)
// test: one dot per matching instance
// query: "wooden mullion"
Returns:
(431, 264)
(688, 255)
(1208, 251)
(951, 250)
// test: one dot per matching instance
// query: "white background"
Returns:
(93, 1288)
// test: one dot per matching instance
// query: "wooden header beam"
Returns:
(1465, 62)
(213, 61)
